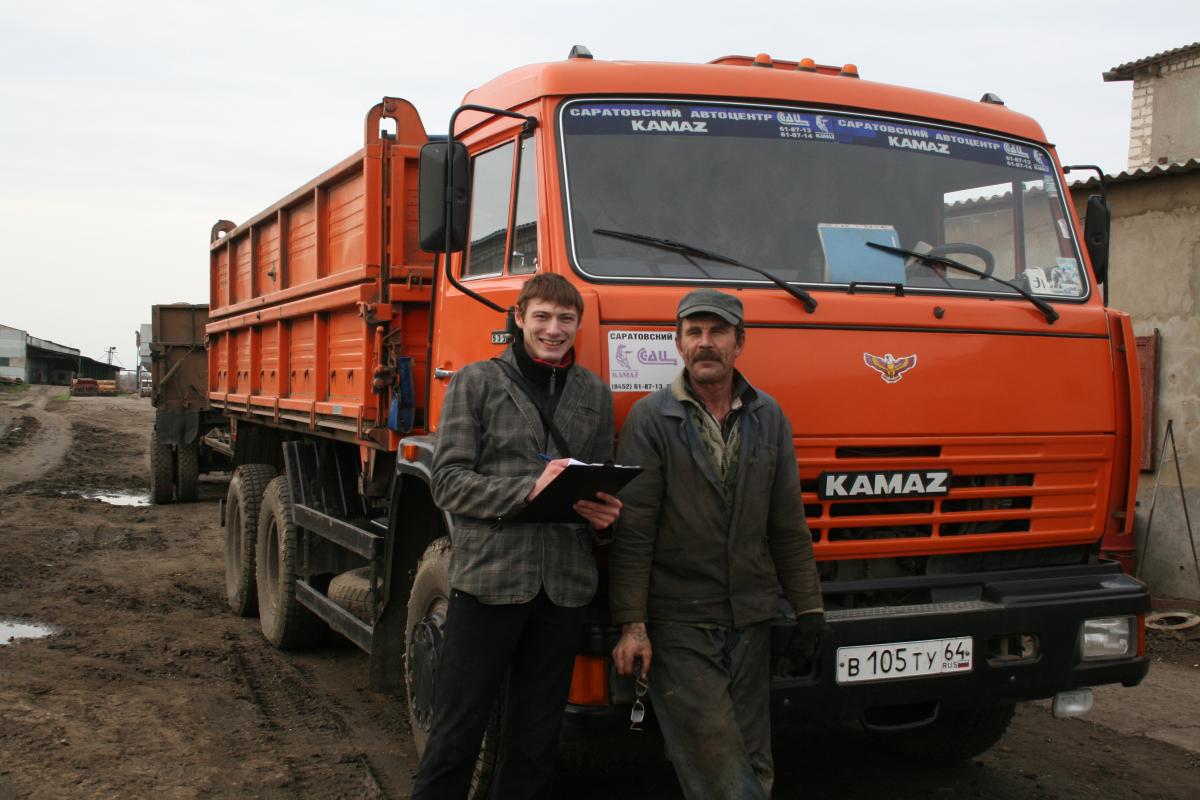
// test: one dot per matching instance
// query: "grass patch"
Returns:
(13, 388)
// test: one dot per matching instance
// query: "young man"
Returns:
(516, 588)
(710, 529)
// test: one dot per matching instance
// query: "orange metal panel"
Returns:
(302, 352)
(241, 254)
(346, 210)
(302, 243)
(269, 359)
(347, 346)
(267, 258)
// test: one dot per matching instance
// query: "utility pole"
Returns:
(111, 350)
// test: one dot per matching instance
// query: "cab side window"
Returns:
(491, 191)
(524, 250)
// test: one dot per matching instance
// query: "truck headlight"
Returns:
(1107, 637)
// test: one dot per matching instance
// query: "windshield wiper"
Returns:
(929, 260)
(687, 250)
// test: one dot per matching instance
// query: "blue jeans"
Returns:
(711, 690)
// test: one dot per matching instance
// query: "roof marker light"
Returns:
(763, 60)
(849, 71)
(579, 51)
(993, 99)
(806, 65)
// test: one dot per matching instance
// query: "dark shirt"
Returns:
(545, 379)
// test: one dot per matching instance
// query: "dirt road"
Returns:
(149, 688)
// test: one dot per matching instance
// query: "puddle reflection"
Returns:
(118, 498)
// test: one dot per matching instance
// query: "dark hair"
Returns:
(739, 329)
(553, 289)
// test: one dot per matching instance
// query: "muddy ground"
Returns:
(149, 688)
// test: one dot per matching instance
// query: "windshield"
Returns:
(801, 193)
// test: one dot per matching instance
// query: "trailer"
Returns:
(183, 417)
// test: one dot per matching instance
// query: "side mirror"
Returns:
(432, 221)
(1095, 235)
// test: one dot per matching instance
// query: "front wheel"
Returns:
(428, 607)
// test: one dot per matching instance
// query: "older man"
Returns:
(709, 531)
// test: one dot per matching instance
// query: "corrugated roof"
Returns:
(1124, 72)
(1191, 165)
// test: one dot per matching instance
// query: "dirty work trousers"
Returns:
(710, 688)
(535, 643)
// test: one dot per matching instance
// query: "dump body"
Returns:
(320, 295)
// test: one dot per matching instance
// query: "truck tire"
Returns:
(187, 473)
(352, 591)
(958, 734)
(425, 629)
(242, 505)
(284, 622)
(162, 471)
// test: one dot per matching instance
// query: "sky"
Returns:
(127, 128)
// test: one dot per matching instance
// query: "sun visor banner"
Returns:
(697, 119)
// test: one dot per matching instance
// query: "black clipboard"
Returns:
(576, 482)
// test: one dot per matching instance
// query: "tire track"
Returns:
(294, 704)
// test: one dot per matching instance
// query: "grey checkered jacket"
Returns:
(484, 467)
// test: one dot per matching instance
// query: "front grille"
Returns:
(1013, 493)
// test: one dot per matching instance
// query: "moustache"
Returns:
(706, 356)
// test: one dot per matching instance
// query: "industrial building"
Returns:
(32, 360)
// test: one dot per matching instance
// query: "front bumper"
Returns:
(1046, 603)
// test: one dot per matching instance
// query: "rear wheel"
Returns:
(187, 462)
(956, 735)
(162, 471)
(242, 505)
(284, 621)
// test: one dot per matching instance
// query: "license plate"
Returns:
(884, 662)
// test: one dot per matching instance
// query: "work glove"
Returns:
(808, 636)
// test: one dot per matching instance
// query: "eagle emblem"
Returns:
(890, 368)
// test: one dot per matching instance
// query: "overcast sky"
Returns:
(128, 128)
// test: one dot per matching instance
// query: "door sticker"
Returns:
(641, 361)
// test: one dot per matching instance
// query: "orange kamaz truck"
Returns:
(919, 297)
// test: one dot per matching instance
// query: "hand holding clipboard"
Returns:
(578, 481)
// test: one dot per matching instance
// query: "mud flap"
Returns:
(177, 427)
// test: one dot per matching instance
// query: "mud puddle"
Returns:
(16, 629)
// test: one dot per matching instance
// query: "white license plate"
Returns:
(883, 662)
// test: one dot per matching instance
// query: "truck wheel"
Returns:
(187, 462)
(956, 735)
(427, 606)
(242, 505)
(284, 622)
(162, 471)
(352, 591)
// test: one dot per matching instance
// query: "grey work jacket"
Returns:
(484, 467)
(679, 553)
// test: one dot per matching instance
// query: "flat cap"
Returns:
(710, 301)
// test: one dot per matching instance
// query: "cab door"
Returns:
(502, 253)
